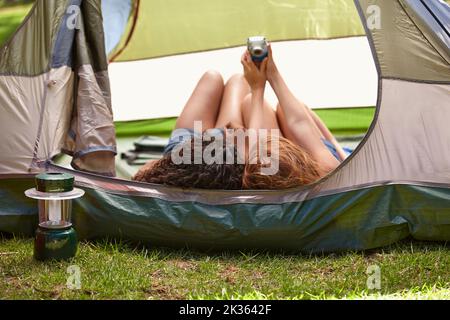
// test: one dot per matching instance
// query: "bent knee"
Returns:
(213, 75)
(246, 108)
(247, 101)
(237, 78)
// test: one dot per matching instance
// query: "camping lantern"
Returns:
(55, 239)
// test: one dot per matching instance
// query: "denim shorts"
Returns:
(182, 135)
(333, 150)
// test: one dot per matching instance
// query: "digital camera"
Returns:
(258, 48)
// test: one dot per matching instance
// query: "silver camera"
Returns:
(258, 48)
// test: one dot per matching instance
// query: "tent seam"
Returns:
(41, 123)
(131, 34)
(377, 108)
(24, 22)
(417, 80)
(420, 30)
(262, 193)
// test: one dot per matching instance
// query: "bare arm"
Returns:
(257, 103)
(328, 135)
(256, 78)
(300, 119)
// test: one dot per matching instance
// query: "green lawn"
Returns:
(10, 19)
(409, 270)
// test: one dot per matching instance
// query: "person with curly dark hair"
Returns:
(216, 175)
(306, 149)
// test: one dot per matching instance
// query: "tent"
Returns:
(73, 62)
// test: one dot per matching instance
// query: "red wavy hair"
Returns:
(296, 168)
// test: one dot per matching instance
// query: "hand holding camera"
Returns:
(258, 48)
(259, 51)
(255, 76)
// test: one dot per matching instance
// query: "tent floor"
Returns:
(126, 171)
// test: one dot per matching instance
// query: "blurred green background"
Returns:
(9, 3)
(12, 12)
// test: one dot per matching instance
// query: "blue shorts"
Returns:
(333, 150)
(182, 135)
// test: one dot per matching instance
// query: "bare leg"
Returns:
(266, 119)
(284, 126)
(328, 135)
(230, 114)
(203, 105)
(263, 117)
(323, 129)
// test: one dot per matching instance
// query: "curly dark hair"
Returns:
(202, 176)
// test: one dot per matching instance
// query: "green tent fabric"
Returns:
(354, 220)
(158, 24)
(395, 184)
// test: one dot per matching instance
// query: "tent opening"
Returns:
(159, 50)
(167, 46)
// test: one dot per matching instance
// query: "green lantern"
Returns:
(55, 239)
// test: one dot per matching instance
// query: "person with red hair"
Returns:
(306, 150)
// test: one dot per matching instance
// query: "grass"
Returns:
(11, 18)
(342, 122)
(111, 270)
